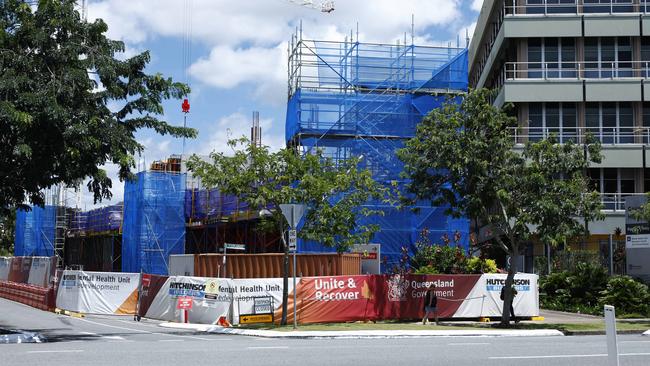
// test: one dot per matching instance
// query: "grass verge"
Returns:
(567, 328)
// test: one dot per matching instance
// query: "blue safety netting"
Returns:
(96, 221)
(154, 221)
(35, 231)
(356, 99)
(201, 204)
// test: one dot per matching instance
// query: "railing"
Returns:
(577, 70)
(615, 201)
(576, 7)
(606, 135)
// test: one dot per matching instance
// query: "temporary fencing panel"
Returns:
(41, 271)
(5, 267)
(35, 230)
(340, 298)
(98, 292)
(154, 221)
(352, 99)
(181, 265)
(212, 299)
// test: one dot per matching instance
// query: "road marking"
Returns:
(141, 331)
(114, 338)
(270, 347)
(635, 342)
(468, 344)
(58, 351)
(563, 356)
(88, 333)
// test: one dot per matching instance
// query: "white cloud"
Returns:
(228, 68)
(247, 38)
(237, 125)
(477, 4)
(265, 22)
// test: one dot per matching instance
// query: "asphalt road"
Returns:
(99, 340)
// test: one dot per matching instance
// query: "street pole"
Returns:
(225, 271)
(295, 315)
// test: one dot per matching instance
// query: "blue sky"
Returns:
(238, 55)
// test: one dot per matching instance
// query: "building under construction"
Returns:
(345, 98)
(363, 99)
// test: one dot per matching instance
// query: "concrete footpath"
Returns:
(359, 334)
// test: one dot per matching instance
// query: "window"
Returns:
(608, 57)
(645, 54)
(613, 184)
(646, 123)
(611, 122)
(550, 6)
(626, 181)
(551, 58)
(535, 121)
(545, 119)
(607, 6)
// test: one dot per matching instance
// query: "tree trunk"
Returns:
(507, 296)
(285, 281)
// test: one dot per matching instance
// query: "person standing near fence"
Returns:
(430, 304)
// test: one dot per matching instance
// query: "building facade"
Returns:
(572, 68)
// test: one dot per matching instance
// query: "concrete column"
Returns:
(522, 116)
(580, 56)
(522, 57)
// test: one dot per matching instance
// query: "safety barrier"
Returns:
(38, 297)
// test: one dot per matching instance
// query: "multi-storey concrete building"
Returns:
(573, 67)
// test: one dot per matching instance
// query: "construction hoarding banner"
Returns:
(41, 271)
(36, 271)
(98, 292)
(5, 268)
(212, 298)
(339, 298)
(485, 297)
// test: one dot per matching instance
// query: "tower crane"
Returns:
(323, 6)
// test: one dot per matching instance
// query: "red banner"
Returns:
(352, 298)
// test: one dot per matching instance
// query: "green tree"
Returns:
(334, 194)
(7, 236)
(463, 157)
(68, 104)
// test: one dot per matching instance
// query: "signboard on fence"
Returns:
(337, 298)
(98, 292)
(370, 257)
(184, 303)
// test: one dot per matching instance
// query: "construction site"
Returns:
(346, 98)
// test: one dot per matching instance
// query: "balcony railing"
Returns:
(615, 201)
(576, 7)
(606, 135)
(577, 70)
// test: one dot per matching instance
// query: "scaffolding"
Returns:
(35, 231)
(154, 221)
(365, 100)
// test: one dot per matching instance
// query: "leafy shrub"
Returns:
(577, 290)
(426, 270)
(479, 265)
(627, 296)
(448, 258)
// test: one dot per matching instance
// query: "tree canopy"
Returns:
(334, 194)
(69, 104)
(464, 157)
